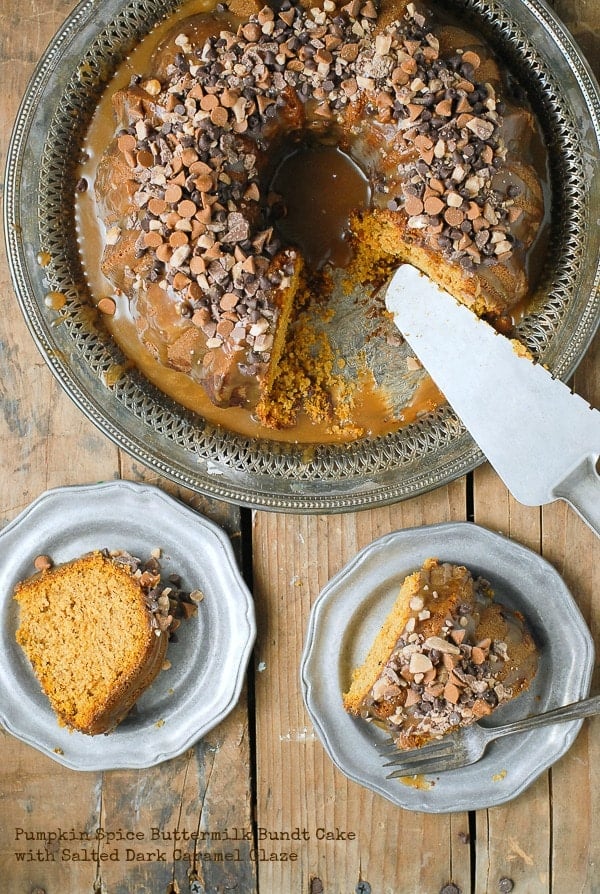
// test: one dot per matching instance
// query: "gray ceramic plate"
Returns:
(348, 614)
(41, 172)
(208, 658)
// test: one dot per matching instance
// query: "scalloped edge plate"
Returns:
(208, 657)
(348, 614)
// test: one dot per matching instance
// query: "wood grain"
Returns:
(262, 773)
(547, 838)
(296, 782)
(46, 442)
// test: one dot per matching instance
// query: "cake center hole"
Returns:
(319, 186)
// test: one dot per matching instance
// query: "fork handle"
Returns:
(575, 711)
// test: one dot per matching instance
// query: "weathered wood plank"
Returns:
(189, 817)
(297, 785)
(546, 839)
(197, 807)
(39, 802)
(548, 848)
(527, 840)
(575, 552)
(499, 831)
(44, 442)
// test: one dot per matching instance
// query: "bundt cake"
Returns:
(95, 630)
(185, 189)
(446, 655)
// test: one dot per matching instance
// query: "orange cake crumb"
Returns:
(93, 636)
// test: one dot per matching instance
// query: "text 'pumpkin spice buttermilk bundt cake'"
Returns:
(196, 187)
(446, 655)
(96, 631)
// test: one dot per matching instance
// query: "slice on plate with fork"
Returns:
(446, 655)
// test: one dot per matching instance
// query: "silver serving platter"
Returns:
(208, 657)
(39, 215)
(348, 614)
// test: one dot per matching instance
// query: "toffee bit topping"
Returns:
(440, 682)
(193, 145)
(43, 563)
(167, 604)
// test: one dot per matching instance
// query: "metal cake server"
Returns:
(542, 439)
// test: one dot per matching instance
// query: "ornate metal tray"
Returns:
(39, 215)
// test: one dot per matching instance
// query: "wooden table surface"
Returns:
(262, 772)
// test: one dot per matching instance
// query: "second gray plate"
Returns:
(348, 614)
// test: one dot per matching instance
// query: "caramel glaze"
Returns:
(370, 407)
(339, 175)
(320, 187)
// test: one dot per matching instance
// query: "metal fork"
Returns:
(467, 746)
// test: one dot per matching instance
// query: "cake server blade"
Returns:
(542, 439)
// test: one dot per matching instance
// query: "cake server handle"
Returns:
(581, 490)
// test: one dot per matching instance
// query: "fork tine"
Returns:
(436, 758)
(415, 767)
(433, 752)
(428, 767)
(435, 765)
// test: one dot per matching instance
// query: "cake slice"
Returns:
(95, 630)
(446, 655)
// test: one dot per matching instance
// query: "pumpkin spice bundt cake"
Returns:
(186, 189)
